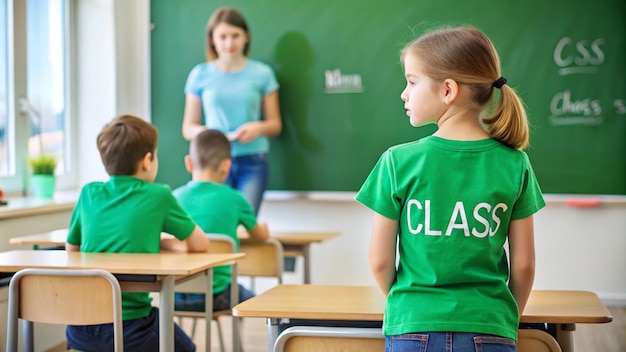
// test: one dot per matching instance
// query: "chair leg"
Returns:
(193, 328)
(219, 331)
(240, 329)
(219, 334)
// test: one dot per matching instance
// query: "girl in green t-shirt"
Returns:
(448, 204)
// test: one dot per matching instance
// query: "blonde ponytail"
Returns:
(509, 123)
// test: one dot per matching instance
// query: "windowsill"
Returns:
(28, 206)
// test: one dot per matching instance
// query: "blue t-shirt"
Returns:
(230, 99)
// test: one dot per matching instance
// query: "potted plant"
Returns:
(42, 179)
(42, 166)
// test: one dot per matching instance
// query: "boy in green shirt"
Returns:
(127, 214)
(217, 208)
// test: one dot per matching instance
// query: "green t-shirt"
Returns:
(454, 201)
(127, 215)
(217, 208)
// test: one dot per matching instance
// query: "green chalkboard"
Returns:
(338, 67)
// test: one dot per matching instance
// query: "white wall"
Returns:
(113, 72)
(577, 248)
(582, 249)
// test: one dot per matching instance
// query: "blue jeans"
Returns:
(194, 302)
(140, 335)
(249, 174)
(447, 342)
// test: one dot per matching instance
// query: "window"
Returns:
(34, 90)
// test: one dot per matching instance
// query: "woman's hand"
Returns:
(248, 132)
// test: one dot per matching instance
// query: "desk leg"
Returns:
(234, 300)
(564, 336)
(166, 314)
(272, 333)
(307, 263)
(208, 308)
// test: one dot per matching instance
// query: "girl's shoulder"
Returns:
(409, 146)
(439, 147)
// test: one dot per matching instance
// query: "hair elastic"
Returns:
(499, 82)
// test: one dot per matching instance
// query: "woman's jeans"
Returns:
(448, 342)
(140, 335)
(249, 174)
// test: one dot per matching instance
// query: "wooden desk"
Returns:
(562, 310)
(294, 243)
(54, 238)
(317, 302)
(165, 270)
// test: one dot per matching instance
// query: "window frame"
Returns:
(18, 124)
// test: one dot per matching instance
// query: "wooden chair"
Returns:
(330, 339)
(68, 297)
(263, 259)
(532, 340)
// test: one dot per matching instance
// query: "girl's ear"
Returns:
(450, 91)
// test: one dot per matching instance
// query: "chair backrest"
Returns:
(221, 243)
(69, 297)
(263, 258)
(532, 340)
(330, 339)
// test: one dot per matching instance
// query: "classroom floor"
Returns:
(254, 334)
(609, 337)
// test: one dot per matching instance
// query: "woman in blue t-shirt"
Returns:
(239, 97)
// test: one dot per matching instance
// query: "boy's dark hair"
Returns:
(124, 142)
(208, 149)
